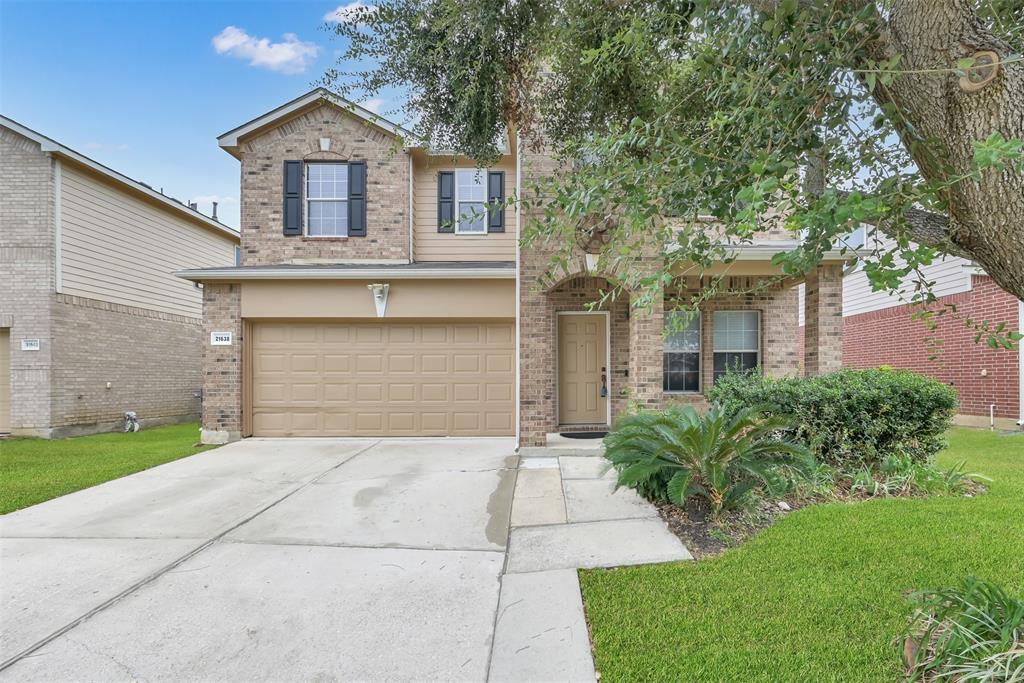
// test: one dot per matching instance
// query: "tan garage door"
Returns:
(383, 379)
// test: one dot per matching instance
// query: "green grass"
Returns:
(34, 470)
(818, 596)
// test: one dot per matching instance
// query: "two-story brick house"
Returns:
(383, 292)
(93, 322)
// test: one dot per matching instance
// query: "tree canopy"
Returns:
(812, 116)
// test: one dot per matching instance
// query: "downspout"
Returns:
(58, 227)
(1020, 362)
(519, 204)
(411, 258)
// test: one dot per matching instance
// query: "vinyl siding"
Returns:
(118, 248)
(950, 276)
(429, 244)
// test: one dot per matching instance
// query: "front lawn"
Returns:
(34, 470)
(818, 596)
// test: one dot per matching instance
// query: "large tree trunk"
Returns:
(986, 219)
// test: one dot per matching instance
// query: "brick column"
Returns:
(222, 365)
(823, 320)
(646, 353)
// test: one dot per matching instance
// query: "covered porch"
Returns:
(587, 358)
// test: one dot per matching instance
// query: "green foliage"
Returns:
(695, 110)
(852, 419)
(973, 632)
(818, 596)
(678, 453)
(901, 475)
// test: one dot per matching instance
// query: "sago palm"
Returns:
(679, 453)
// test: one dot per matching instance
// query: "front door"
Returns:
(582, 369)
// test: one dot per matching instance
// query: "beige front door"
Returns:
(383, 378)
(5, 381)
(582, 368)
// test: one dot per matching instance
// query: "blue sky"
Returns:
(146, 87)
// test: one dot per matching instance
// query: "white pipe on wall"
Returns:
(1020, 362)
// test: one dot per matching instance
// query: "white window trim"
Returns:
(457, 213)
(306, 200)
(760, 333)
(700, 360)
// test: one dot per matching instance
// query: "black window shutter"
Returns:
(357, 199)
(496, 201)
(293, 198)
(446, 201)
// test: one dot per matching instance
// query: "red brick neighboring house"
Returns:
(879, 329)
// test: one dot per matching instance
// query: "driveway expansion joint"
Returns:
(165, 569)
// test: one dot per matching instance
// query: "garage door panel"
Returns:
(335, 392)
(334, 362)
(335, 334)
(494, 391)
(401, 392)
(378, 379)
(466, 392)
(434, 363)
(369, 334)
(401, 334)
(401, 363)
(433, 334)
(466, 363)
(337, 423)
(434, 393)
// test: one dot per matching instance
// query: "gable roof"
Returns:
(230, 140)
(50, 146)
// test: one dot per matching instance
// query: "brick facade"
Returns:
(892, 337)
(823, 320)
(27, 276)
(150, 359)
(262, 188)
(222, 365)
(637, 339)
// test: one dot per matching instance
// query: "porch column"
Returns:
(823, 320)
(646, 353)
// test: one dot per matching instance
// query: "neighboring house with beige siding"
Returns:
(92, 321)
(383, 291)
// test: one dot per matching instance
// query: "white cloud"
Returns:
(344, 12)
(290, 56)
(374, 104)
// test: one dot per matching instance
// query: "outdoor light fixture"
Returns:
(380, 297)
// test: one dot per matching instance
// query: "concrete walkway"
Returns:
(318, 559)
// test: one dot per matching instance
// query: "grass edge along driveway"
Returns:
(820, 595)
(35, 470)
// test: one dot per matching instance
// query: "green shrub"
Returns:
(974, 632)
(851, 418)
(899, 476)
(678, 453)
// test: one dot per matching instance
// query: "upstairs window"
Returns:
(326, 200)
(681, 368)
(471, 202)
(737, 341)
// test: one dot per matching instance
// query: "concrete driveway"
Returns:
(266, 559)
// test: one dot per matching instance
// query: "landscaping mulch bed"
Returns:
(706, 537)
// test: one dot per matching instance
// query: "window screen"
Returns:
(737, 341)
(327, 200)
(681, 369)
